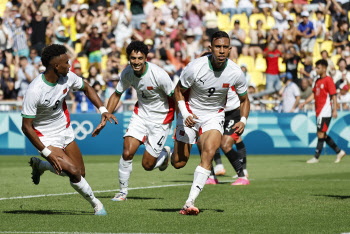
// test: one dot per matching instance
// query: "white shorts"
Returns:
(60, 139)
(204, 123)
(152, 135)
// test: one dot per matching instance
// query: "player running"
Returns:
(46, 122)
(324, 90)
(202, 110)
(152, 117)
(230, 137)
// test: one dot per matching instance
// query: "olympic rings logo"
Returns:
(81, 130)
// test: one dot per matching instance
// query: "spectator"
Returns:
(245, 72)
(290, 34)
(174, 19)
(100, 16)
(69, 23)
(342, 76)
(61, 37)
(94, 75)
(281, 18)
(292, 59)
(274, 35)
(39, 25)
(331, 68)
(337, 12)
(258, 39)
(305, 72)
(265, 6)
(20, 41)
(136, 8)
(94, 46)
(290, 95)
(34, 59)
(245, 6)
(320, 26)
(77, 69)
(343, 97)
(82, 104)
(194, 21)
(210, 19)
(273, 83)
(4, 36)
(3, 107)
(121, 19)
(166, 9)
(305, 89)
(192, 46)
(82, 21)
(98, 88)
(228, 6)
(143, 32)
(7, 84)
(237, 36)
(24, 74)
(340, 38)
(110, 90)
(307, 32)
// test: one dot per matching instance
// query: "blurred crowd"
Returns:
(276, 42)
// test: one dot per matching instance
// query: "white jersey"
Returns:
(45, 102)
(233, 101)
(154, 89)
(209, 87)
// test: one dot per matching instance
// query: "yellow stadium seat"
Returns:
(281, 65)
(316, 51)
(335, 59)
(2, 7)
(315, 59)
(247, 60)
(247, 39)
(243, 21)
(224, 22)
(269, 23)
(300, 65)
(255, 17)
(257, 78)
(260, 64)
(328, 46)
(328, 21)
(158, 4)
(84, 62)
(104, 62)
(78, 47)
(123, 59)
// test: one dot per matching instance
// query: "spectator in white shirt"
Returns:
(343, 98)
(290, 94)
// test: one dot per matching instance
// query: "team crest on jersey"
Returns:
(149, 87)
(322, 86)
(225, 85)
(65, 91)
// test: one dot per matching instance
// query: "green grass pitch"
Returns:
(285, 195)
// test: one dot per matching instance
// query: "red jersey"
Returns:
(272, 62)
(324, 88)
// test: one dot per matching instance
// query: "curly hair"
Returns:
(51, 52)
(137, 46)
(219, 34)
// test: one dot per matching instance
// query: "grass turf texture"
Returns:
(286, 195)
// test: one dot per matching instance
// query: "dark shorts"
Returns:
(231, 118)
(323, 123)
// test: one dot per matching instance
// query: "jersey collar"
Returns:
(211, 66)
(48, 83)
(143, 74)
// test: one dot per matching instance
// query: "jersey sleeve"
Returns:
(75, 81)
(123, 84)
(187, 77)
(166, 84)
(30, 104)
(241, 85)
(331, 86)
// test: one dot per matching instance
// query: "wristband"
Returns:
(183, 110)
(45, 152)
(244, 120)
(102, 109)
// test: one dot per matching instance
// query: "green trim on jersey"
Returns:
(48, 83)
(143, 74)
(242, 94)
(28, 116)
(171, 93)
(82, 87)
(118, 92)
(211, 66)
(182, 86)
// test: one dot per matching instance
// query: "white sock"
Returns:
(212, 177)
(160, 159)
(200, 177)
(44, 166)
(84, 189)
(125, 169)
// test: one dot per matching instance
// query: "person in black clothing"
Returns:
(7, 84)
(292, 60)
(39, 24)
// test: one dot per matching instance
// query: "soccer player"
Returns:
(230, 137)
(152, 117)
(323, 92)
(202, 110)
(46, 122)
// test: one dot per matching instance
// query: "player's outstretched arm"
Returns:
(245, 108)
(112, 103)
(180, 101)
(52, 157)
(307, 100)
(334, 112)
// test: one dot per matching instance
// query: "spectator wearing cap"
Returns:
(61, 38)
(305, 89)
(34, 58)
(39, 25)
(343, 97)
(77, 69)
(136, 8)
(24, 74)
(110, 90)
(237, 38)
(245, 6)
(292, 59)
(19, 38)
(228, 7)
(265, 6)
(340, 38)
(342, 76)
(151, 56)
(274, 35)
(290, 94)
(10, 16)
(192, 46)
(258, 39)
(210, 19)
(121, 19)
(307, 32)
(7, 84)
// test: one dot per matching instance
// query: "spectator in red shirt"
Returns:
(323, 91)
(273, 83)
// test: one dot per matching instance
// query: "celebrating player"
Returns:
(202, 110)
(152, 117)
(46, 122)
(323, 91)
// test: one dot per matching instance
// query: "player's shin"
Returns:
(84, 189)
(236, 162)
(242, 153)
(44, 166)
(319, 147)
(332, 144)
(200, 177)
(125, 169)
